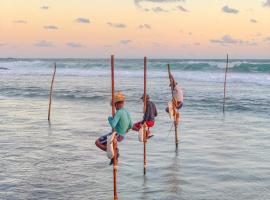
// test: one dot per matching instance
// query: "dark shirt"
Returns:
(151, 112)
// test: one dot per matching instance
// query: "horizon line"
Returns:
(135, 58)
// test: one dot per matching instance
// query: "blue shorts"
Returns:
(104, 138)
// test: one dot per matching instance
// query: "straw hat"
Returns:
(118, 97)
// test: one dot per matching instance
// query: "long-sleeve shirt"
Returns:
(121, 121)
(151, 112)
(178, 94)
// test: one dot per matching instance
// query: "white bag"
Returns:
(110, 151)
(170, 106)
(140, 134)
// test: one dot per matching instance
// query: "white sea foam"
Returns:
(195, 70)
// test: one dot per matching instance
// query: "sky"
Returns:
(135, 28)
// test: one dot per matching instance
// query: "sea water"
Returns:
(219, 157)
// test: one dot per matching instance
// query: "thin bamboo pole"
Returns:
(225, 83)
(51, 90)
(144, 110)
(174, 112)
(176, 136)
(114, 140)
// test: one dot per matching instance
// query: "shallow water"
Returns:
(220, 157)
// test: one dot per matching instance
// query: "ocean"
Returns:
(219, 157)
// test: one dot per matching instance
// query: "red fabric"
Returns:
(150, 123)
(120, 138)
(138, 125)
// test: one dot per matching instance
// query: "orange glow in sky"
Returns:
(134, 28)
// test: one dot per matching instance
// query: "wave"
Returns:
(40, 92)
(252, 67)
(243, 71)
(43, 65)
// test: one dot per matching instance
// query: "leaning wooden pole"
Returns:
(174, 112)
(144, 125)
(51, 90)
(225, 84)
(114, 140)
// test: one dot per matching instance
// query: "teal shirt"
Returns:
(121, 121)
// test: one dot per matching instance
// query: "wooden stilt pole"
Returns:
(225, 84)
(114, 140)
(176, 136)
(144, 110)
(174, 112)
(51, 90)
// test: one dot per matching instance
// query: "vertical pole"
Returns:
(51, 90)
(174, 111)
(144, 110)
(225, 83)
(176, 136)
(112, 79)
(114, 140)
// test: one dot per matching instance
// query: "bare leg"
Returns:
(148, 134)
(136, 126)
(101, 146)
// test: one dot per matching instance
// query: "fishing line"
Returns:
(170, 129)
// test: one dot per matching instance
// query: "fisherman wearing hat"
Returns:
(148, 118)
(121, 122)
(178, 98)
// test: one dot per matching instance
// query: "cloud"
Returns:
(227, 9)
(158, 9)
(145, 26)
(184, 45)
(161, 1)
(44, 7)
(267, 3)
(125, 42)
(181, 8)
(267, 39)
(82, 20)
(117, 25)
(228, 40)
(20, 22)
(258, 35)
(253, 21)
(50, 27)
(44, 44)
(108, 46)
(186, 33)
(137, 2)
(74, 45)
(197, 43)
(3, 44)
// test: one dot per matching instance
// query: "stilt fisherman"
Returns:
(178, 98)
(121, 123)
